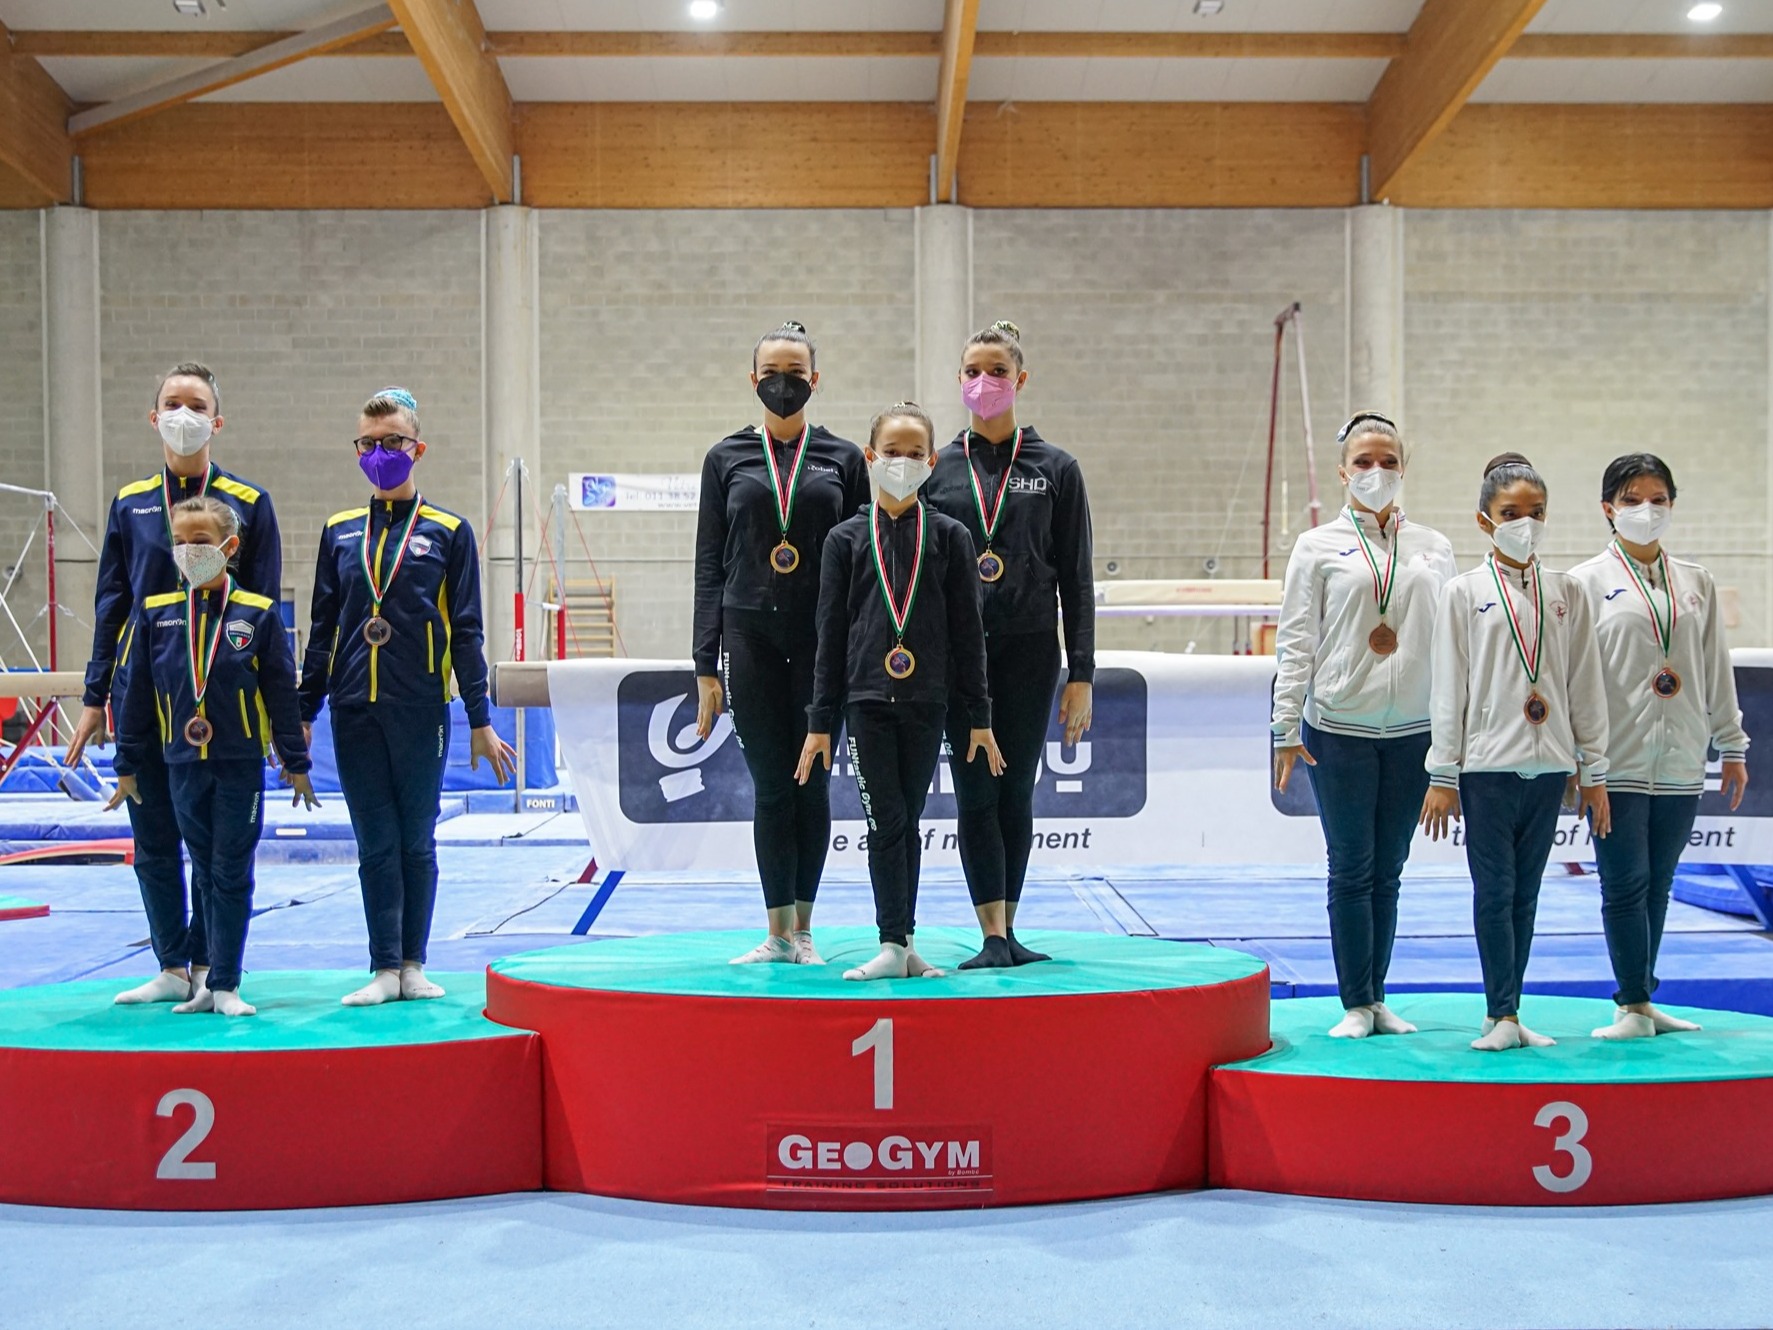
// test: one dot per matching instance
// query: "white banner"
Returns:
(1174, 771)
(634, 493)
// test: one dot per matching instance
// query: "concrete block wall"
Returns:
(648, 320)
(301, 315)
(21, 430)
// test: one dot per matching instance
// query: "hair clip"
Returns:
(400, 396)
(1357, 418)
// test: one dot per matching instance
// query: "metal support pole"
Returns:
(1280, 328)
(517, 631)
(1305, 413)
(559, 515)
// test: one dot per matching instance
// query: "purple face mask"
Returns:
(987, 396)
(386, 470)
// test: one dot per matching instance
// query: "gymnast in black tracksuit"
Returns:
(899, 636)
(1024, 503)
(760, 536)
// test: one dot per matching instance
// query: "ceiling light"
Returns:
(704, 11)
(1704, 13)
(190, 8)
(1207, 8)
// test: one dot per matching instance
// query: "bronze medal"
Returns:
(1383, 640)
(1666, 684)
(1536, 711)
(900, 662)
(784, 558)
(377, 631)
(990, 567)
(198, 731)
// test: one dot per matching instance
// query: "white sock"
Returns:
(1533, 1039)
(228, 1003)
(167, 986)
(772, 950)
(414, 985)
(1498, 1037)
(1627, 1025)
(916, 967)
(1356, 1023)
(804, 950)
(1666, 1024)
(385, 987)
(201, 999)
(1387, 1021)
(890, 964)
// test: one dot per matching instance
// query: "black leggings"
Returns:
(894, 747)
(996, 813)
(769, 682)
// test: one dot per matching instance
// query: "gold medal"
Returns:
(1383, 640)
(198, 731)
(784, 558)
(377, 631)
(990, 567)
(900, 662)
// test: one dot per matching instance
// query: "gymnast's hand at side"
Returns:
(304, 790)
(986, 740)
(1440, 803)
(710, 702)
(816, 749)
(125, 790)
(1284, 759)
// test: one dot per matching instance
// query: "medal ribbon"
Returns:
(379, 589)
(166, 497)
(193, 646)
(1664, 633)
(1382, 586)
(785, 497)
(988, 522)
(900, 617)
(1528, 663)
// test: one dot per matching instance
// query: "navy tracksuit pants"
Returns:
(391, 771)
(178, 935)
(220, 810)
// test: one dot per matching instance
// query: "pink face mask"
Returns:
(988, 396)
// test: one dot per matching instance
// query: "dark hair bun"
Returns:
(1505, 459)
(1005, 326)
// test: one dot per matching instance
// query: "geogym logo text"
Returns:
(947, 1158)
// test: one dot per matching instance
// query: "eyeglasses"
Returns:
(1342, 434)
(393, 443)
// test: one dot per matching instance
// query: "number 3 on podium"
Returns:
(1568, 1142)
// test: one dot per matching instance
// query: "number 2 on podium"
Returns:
(176, 1164)
(879, 1038)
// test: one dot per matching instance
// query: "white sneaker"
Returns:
(772, 950)
(805, 953)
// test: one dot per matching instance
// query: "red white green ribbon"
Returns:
(1528, 663)
(988, 522)
(379, 589)
(1382, 586)
(785, 497)
(900, 616)
(1664, 632)
(166, 496)
(194, 646)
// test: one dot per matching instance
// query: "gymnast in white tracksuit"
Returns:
(1351, 702)
(1670, 693)
(1518, 705)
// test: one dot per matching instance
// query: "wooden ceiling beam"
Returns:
(1641, 46)
(450, 41)
(1452, 46)
(213, 78)
(960, 25)
(34, 142)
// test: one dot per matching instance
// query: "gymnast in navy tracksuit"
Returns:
(136, 563)
(396, 612)
(212, 690)
(899, 633)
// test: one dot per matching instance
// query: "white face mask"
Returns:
(1376, 487)
(899, 477)
(185, 430)
(199, 564)
(1520, 538)
(1643, 523)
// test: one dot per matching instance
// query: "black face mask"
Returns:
(784, 395)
